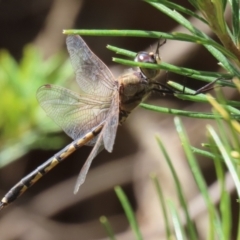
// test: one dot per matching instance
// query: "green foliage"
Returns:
(129, 212)
(20, 112)
(213, 15)
(224, 150)
(223, 147)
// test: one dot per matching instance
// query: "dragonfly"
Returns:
(91, 116)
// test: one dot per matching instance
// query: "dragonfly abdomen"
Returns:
(34, 176)
(26, 182)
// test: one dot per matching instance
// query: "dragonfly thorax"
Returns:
(134, 87)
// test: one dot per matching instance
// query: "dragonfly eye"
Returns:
(146, 57)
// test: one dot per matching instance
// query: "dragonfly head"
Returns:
(148, 57)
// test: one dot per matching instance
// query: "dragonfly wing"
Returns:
(96, 149)
(105, 139)
(92, 75)
(76, 114)
(109, 134)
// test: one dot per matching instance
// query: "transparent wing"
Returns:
(92, 75)
(83, 173)
(105, 138)
(111, 125)
(76, 114)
